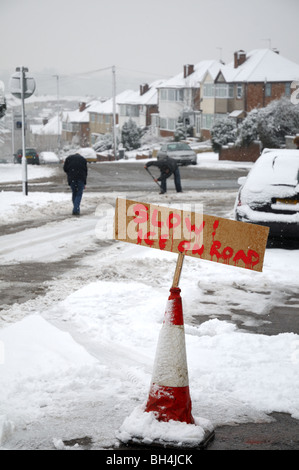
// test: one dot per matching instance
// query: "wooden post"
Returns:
(178, 270)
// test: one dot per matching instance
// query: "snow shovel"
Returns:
(152, 177)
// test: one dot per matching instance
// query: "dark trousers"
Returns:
(177, 182)
(77, 188)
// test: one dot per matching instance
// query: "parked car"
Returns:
(88, 153)
(31, 156)
(48, 157)
(180, 151)
(269, 195)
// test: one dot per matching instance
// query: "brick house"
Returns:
(75, 126)
(101, 113)
(180, 96)
(140, 105)
(250, 81)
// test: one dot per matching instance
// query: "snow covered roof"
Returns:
(150, 97)
(106, 107)
(261, 65)
(51, 128)
(77, 115)
(193, 80)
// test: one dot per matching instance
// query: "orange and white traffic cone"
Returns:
(166, 418)
(169, 396)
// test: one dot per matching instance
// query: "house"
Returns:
(140, 105)
(180, 96)
(46, 136)
(101, 115)
(252, 80)
(75, 126)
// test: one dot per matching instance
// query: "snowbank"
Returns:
(77, 361)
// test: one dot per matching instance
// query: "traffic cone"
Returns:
(169, 396)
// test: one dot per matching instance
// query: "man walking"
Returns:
(75, 167)
(167, 167)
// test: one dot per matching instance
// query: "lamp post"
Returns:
(22, 87)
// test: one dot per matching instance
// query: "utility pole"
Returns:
(58, 116)
(114, 111)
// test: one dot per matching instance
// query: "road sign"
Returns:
(192, 234)
(16, 85)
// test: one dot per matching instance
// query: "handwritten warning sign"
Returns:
(190, 233)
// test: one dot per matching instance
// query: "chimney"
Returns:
(45, 121)
(82, 106)
(143, 88)
(239, 58)
(188, 69)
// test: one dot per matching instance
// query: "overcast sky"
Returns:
(154, 37)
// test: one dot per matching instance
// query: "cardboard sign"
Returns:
(193, 234)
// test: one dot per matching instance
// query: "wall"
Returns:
(256, 98)
(241, 154)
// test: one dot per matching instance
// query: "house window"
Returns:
(171, 94)
(180, 95)
(221, 90)
(239, 90)
(268, 89)
(163, 123)
(208, 90)
(168, 124)
(163, 95)
(155, 120)
(224, 90)
(171, 124)
(287, 89)
(129, 110)
(207, 121)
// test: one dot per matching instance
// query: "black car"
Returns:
(269, 195)
(31, 156)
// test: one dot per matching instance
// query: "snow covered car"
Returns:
(88, 153)
(48, 157)
(269, 195)
(179, 151)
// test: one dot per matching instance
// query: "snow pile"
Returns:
(13, 173)
(38, 359)
(142, 427)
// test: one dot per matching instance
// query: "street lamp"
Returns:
(22, 87)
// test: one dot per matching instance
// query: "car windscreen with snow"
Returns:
(270, 194)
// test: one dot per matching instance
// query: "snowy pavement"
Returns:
(76, 361)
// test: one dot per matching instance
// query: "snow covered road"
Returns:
(76, 358)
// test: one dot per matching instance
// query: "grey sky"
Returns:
(154, 37)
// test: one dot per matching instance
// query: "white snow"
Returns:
(78, 360)
(262, 65)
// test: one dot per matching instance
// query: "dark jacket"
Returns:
(167, 167)
(75, 166)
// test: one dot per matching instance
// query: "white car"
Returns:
(269, 195)
(48, 157)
